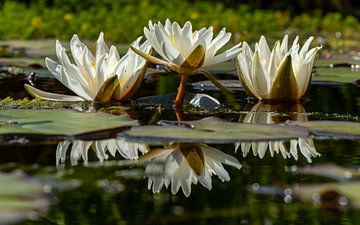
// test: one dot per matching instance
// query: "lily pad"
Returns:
(330, 170)
(341, 75)
(212, 130)
(336, 62)
(21, 198)
(338, 129)
(59, 124)
(333, 195)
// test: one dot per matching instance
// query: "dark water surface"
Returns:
(96, 190)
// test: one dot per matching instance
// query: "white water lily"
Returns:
(282, 74)
(180, 165)
(79, 150)
(101, 77)
(263, 113)
(185, 51)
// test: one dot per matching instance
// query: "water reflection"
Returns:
(274, 113)
(178, 166)
(184, 164)
(79, 150)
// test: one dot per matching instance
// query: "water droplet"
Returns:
(288, 191)
(343, 201)
(338, 34)
(294, 168)
(316, 198)
(255, 186)
(288, 198)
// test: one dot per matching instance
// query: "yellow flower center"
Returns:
(172, 39)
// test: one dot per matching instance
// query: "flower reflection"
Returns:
(180, 164)
(264, 113)
(79, 150)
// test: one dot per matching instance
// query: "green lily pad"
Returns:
(341, 75)
(212, 130)
(338, 129)
(337, 62)
(332, 195)
(60, 124)
(330, 170)
(21, 198)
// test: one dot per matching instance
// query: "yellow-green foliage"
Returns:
(123, 20)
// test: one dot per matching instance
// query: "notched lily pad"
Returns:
(60, 124)
(21, 198)
(212, 130)
(339, 75)
(336, 129)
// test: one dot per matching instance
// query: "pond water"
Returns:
(260, 181)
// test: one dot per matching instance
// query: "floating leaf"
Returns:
(329, 196)
(341, 75)
(333, 195)
(59, 124)
(330, 170)
(20, 198)
(339, 129)
(213, 130)
(339, 62)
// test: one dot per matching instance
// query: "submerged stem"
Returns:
(181, 91)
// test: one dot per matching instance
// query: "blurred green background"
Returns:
(123, 20)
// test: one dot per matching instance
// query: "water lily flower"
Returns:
(79, 150)
(282, 74)
(187, 52)
(264, 113)
(180, 165)
(101, 77)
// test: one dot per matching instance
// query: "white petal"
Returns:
(101, 47)
(225, 56)
(51, 96)
(260, 79)
(172, 54)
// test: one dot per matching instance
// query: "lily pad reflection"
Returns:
(21, 198)
(264, 113)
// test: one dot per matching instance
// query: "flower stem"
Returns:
(181, 91)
